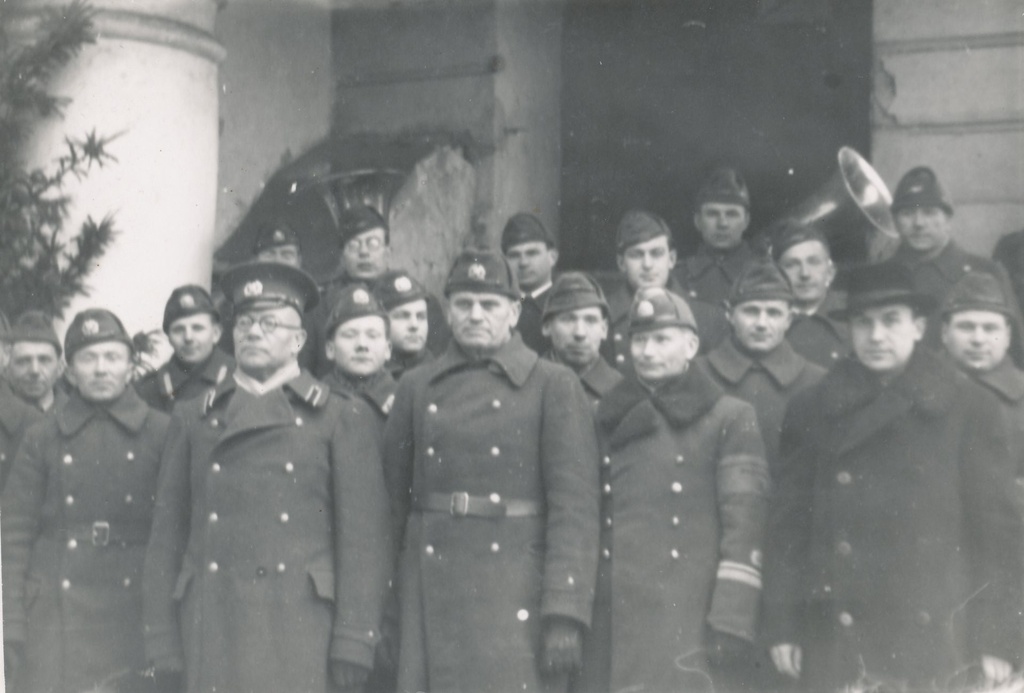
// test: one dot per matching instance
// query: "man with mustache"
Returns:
(270, 552)
(192, 325)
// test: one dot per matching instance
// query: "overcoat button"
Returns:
(679, 459)
(675, 520)
(65, 584)
(675, 553)
(606, 461)
(522, 614)
(72, 544)
(844, 478)
(128, 499)
(214, 567)
(844, 548)
(495, 452)
(214, 423)
(70, 500)
(845, 618)
(432, 408)
(281, 567)
(213, 517)
(430, 452)
(607, 489)
(127, 582)
(618, 337)
(496, 404)
(495, 548)
(677, 487)
(3, 456)
(298, 420)
(284, 517)
(495, 498)
(215, 468)
(606, 553)
(289, 467)
(607, 522)
(67, 459)
(620, 359)
(429, 550)
(834, 354)
(130, 456)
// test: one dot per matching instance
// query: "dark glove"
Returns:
(348, 675)
(724, 648)
(14, 659)
(563, 646)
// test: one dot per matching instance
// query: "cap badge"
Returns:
(644, 309)
(187, 302)
(253, 288)
(360, 297)
(477, 272)
(402, 284)
(915, 189)
(278, 236)
(90, 327)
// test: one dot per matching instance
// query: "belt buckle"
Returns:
(460, 504)
(100, 533)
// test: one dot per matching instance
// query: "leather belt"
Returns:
(102, 533)
(461, 504)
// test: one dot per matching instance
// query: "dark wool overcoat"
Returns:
(819, 338)
(708, 274)
(76, 516)
(767, 383)
(475, 590)
(15, 418)
(270, 551)
(173, 383)
(894, 543)
(685, 500)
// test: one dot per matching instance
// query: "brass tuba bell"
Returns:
(852, 210)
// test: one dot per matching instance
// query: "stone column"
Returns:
(150, 80)
(947, 94)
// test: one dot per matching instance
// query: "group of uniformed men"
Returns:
(726, 475)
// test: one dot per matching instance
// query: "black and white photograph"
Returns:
(512, 346)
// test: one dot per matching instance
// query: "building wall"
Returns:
(949, 93)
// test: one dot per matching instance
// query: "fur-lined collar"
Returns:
(631, 411)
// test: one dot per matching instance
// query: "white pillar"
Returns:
(150, 81)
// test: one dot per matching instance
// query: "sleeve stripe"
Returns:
(738, 572)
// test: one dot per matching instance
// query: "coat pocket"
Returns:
(323, 583)
(184, 579)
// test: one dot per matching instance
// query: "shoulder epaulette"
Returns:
(386, 407)
(221, 374)
(208, 400)
(316, 396)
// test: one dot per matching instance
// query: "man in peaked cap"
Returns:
(977, 331)
(192, 324)
(803, 254)
(490, 454)
(721, 215)
(923, 212)
(15, 415)
(35, 363)
(531, 250)
(685, 488)
(365, 241)
(270, 551)
(80, 494)
(357, 343)
(576, 322)
(893, 521)
(405, 301)
(645, 254)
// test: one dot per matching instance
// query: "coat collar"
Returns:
(12, 408)
(514, 359)
(598, 380)
(379, 388)
(630, 410)
(783, 364)
(952, 263)
(129, 411)
(731, 263)
(304, 388)
(854, 397)
(216, 368)
(1006, 380)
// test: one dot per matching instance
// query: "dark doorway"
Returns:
(656, 94)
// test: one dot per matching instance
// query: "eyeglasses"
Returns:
(267, 323)
(373, 243)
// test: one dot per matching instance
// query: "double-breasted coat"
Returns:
(685, 497)
(894, 543)
(270, 552)
(767, 383)
(173, 383)
(76, 516)
(15, 418)
(513, 431)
